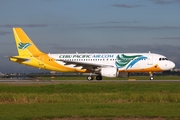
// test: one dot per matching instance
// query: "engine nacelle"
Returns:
(109, 72)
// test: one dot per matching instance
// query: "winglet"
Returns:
(24, 44)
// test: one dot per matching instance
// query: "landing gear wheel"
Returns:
(151, 78)
(89, 78)
(98, 77)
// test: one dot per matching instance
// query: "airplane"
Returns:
(95, 64)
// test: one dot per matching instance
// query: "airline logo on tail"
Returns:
(23, 46)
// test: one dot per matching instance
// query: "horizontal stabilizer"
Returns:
(19, 58)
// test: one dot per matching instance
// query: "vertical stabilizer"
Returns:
(24, 44)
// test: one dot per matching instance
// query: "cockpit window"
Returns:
(161, 59)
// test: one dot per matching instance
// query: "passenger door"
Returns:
(150, 59)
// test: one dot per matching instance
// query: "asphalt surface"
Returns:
(16, 81)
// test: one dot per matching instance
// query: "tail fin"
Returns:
(24, 44)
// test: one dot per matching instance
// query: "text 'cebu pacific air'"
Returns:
(96, 64)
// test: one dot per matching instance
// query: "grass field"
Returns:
(93, 100)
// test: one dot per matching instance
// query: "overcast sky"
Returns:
(59, 26)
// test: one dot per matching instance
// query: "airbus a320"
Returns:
(96, 64)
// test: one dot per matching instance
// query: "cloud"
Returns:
(168, 38)
(178, 1)
(23, 25)
(113, 22)
(4, 33)
(164, 2)
(139, 27)
(125, 25)
(117, 48)
(109, 23)
(126, 6)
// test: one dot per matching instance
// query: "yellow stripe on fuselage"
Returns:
(154, 68)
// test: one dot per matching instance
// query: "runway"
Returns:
(16, 81)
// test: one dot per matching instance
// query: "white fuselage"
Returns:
(123, 61)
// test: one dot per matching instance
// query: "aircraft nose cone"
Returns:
(167, 65)
(172, 65)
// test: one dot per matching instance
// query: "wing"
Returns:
(84, 65)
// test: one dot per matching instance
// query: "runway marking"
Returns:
(132, 79)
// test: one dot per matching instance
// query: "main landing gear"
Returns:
(98, 77)
(90, 78)
(151, 76)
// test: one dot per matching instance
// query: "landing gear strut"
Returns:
(151, 76)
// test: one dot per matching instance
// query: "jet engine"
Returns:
(109, 72)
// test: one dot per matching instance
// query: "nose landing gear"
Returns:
(151, 77)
